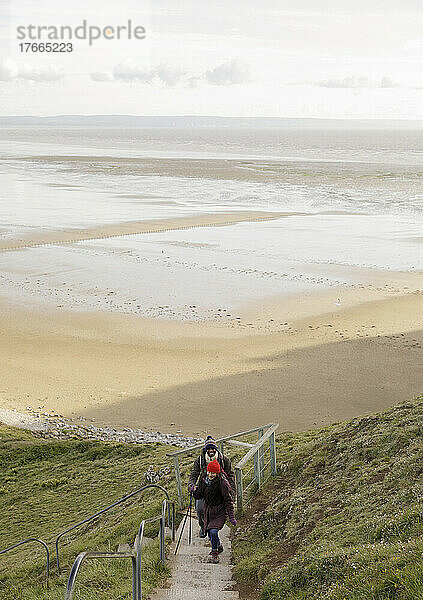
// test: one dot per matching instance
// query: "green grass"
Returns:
(46, 486)
(344, 518)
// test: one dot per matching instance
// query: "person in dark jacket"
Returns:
(215, 490)
(210, 452)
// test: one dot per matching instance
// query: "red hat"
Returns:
(213, 467)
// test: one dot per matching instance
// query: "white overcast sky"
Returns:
(302, 58)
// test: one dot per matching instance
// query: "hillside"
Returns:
(344, 519)
(46, 486)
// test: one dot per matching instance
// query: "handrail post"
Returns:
(272, 447)
(72, 575)
(238, 480)
(138, 556)
(134, 579)
(173, 522)
(162, 539)
(168, 511)
(257, 468)
(261, 450)
(32, 539)
(162, 533)
(178, 481)
(70, 587)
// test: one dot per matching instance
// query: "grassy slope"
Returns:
(46, 486)
(344, 520)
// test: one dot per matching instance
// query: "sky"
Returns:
(283, 58)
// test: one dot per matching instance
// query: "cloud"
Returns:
(357, 83)
(44, 73)
(229, 73)
(102, 76)
(170, 76)
(129, 70)
(9, 71)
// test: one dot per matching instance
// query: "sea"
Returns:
(353, 199)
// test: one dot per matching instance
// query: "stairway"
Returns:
(193, 577)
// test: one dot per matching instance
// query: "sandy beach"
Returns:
(158, 375)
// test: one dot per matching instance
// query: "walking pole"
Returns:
(190, 523)
(183, 526)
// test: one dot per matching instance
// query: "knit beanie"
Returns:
(210, 443)
(213, 467)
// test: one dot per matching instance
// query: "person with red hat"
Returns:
(215, 490)
(209, 452)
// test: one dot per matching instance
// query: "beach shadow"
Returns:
(301, 389)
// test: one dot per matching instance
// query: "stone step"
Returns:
(200, 579)
(193, 551)
(193, 577)
(204, 564)
(200, 544)
(196, 594)
(197, 563)
(208, 583)
(205, 568)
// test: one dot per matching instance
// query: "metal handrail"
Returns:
(220, 442)
(100, 512)
(257, 445)
(162, 533)
(138, 561)
(257, 452)
(221, 439)
(85, 555)
(135, 555)
(32, 539)
(162, 519)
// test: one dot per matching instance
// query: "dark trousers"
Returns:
(214, 539)
(199, 507)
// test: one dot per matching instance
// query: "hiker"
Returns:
(210, 452)
(215, 490)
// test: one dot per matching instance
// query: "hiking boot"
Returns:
(214, 557)
(219, 550)
(202, 533)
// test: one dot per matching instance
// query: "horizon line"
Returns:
(211, 116)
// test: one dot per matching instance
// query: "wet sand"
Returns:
(44, 237)
(122, 370)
